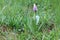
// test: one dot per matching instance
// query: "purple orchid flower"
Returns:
(34, 8)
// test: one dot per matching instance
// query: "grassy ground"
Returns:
(17, 22)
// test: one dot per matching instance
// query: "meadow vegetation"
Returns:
(17, 20)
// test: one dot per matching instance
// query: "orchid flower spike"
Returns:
(34, 8)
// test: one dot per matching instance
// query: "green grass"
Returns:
(18, 14)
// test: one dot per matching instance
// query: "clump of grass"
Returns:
(17, 16)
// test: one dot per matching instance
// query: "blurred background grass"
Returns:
(17, 15)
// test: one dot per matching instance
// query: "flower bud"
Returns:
(34, 8)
